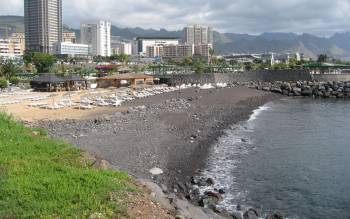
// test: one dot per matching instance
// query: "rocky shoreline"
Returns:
(172, 132)
(313, 89)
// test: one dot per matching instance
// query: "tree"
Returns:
(43, 62)
(9, 69)
(187, 61)
(199, 66)
(322, 58)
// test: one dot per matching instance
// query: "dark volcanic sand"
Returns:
(171, 131)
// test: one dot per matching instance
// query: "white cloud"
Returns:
(321, 17)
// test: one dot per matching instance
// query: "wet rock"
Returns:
(205, 202)
(266, 88)
(297, 91)
(210, 181)
(222, 191)
(276, 90)
(194, 180)
(236, 215)
(251, 214)
(275, 216)
(215, 196)
(307, 92)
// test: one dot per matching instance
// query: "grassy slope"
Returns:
(43, 178)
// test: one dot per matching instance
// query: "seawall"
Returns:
(261, 76)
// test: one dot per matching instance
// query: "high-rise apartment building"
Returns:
(43, 24)
(198, 35)
(97, 34)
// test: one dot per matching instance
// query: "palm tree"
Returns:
(9, 69)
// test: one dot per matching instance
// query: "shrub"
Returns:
(3, 83)
(14, 80)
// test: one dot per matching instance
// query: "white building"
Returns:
(72, 49)
(97, 34)
(198, 35)
(144, 42)
(119, 48)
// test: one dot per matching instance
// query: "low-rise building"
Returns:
(69, 37)
(144, 42)
(178, 51)
(72, 49)
(154, 51)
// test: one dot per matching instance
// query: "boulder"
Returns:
(276, 90)
(285, 92)
(251, 214)
(307, 92)
(297, 91)
(217, 197)
(236, 215)
(275, 216)
(210, 181)
(266, 88)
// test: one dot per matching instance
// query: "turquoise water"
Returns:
(292, 156)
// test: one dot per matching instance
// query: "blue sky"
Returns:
(320, 17)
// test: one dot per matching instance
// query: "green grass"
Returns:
(43, 178)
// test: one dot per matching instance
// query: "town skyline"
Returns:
(322, 18)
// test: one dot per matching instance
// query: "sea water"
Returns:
(292, 156)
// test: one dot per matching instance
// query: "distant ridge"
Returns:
(337, 46)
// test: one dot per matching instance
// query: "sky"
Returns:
(319, 17)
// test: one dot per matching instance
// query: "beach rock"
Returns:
(236, 215)
(266, 88)
(210, 181)
(275, 216)
(205, 202)
(251, 214)
(215, 196)
(297, 91)
(276, 90)
(164, 188)
(307, 92)
(194, 180)
(156, 171)
(222, 191)
(239, 208)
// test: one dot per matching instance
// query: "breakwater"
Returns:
(304, 88)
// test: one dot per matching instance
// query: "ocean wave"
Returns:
(258, 111)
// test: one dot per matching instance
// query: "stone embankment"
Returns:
(304, 88)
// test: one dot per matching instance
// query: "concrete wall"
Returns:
(332, 77)
(265, 76)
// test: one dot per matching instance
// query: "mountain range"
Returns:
(337, 46)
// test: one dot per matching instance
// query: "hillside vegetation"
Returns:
(44, 178)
